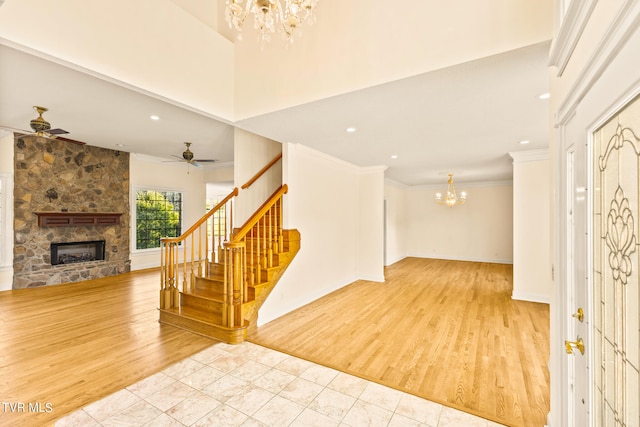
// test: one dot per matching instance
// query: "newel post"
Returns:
(235, 282)
(168, 275)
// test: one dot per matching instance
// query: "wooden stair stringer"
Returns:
(262, 290)
(200, 308)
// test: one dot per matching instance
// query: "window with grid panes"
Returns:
(158, 215)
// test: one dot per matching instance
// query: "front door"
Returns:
(615, 262)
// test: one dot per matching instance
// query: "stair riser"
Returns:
(213, 286)
(201, 307)
(203, 304)
(230, 336)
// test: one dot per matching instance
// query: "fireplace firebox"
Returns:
(74, 252)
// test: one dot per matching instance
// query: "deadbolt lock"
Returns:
(579, 315)
(570, 345)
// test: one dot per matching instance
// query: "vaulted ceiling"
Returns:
(461, 119)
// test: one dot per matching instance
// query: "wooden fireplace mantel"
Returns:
(69, 219)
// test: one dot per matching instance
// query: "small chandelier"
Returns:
(270, 16)
(452, 199)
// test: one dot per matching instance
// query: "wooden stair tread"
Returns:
(210, 294)
(194, 314)
(202, 307)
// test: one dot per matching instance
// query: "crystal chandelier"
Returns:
(269, 16)
(452, 199)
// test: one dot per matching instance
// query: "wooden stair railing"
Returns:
(251, 250)
(261, 172)
(192, 253)
(215, 277)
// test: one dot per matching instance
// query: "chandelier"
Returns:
(452, 199)
(269, 16)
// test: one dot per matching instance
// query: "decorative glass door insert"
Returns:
(616, 260)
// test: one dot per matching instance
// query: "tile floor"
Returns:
(249, 385)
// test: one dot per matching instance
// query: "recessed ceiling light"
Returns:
(395, 156)
(154, 117)
(524, 142)
(545, 95)
(350, 130)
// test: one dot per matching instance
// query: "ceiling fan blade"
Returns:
(205, 160)
(51, 134)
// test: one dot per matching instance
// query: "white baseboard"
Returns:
(393, 261)
(459, 258)
(6, 278)
(373, 278)
(526, 296)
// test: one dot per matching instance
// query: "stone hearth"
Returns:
(61, 176)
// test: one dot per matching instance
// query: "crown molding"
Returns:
(573, 24)
(529, 155)
(622, 27)
(462, 185)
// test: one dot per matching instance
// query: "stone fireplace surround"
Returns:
(61, 176)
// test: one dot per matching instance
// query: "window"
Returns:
(158, 215)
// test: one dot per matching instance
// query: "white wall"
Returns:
(205, 11)
(324, 205)
(370, 231)
(396, 231)
(400, 42)
(219, 175)
(531, 226)
(479, 230)
(251, 153)
(152, 174)
(127, 42)
(203, 70)
(6, 198)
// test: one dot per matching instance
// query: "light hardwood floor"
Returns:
(65, 346)
(447, 331)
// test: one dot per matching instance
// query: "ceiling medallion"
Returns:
(270, 16)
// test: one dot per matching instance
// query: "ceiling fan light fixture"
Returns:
(187, 154)
(39, 124)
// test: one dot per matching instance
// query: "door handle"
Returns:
(579, 315)
(570, 345)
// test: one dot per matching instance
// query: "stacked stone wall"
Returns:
(61, 176)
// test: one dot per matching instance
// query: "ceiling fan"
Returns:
(188, 157)
(42, 128)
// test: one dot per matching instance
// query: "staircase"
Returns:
(214, 277)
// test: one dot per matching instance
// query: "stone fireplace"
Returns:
(67, 193)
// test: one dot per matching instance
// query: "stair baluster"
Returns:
(242, 267)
